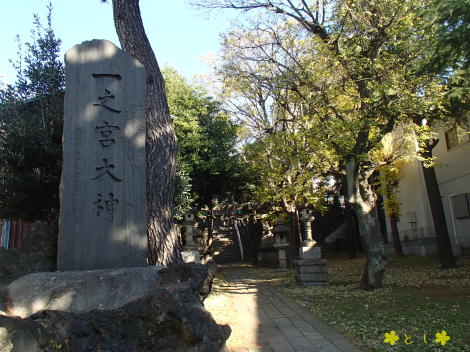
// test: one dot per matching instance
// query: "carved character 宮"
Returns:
(106, 132)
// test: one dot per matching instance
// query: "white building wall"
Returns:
(415, 214)
(453, 176)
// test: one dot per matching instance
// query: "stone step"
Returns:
(227, 245)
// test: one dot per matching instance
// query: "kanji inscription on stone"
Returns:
(107, 206)
(106, 134)
(103, 170)
(103, 219)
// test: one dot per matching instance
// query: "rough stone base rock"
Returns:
(170, 317)
(80, 291)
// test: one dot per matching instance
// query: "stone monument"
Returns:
(311, 269)
(103, 218)
(103, 226)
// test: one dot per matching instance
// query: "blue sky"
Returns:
(180, 35)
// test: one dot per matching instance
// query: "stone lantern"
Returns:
(190, 252)
(281, 235)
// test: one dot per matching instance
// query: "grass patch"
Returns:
(417, 299)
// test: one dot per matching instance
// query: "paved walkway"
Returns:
(264, 320)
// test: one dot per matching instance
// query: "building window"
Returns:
(456, 136)
(461, 205)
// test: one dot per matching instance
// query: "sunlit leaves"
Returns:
(287, 162)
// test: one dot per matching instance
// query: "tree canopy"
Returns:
(206, 138)
(353, 70)
(31, 115)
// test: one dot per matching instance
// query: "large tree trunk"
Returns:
(396, 236)
(437, 210)
(374, 270)
(160, 142)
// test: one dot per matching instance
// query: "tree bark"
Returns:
(294, 239)
(351, 232)
(396, 236)
(351, 223)
(160, 141)
(444, 247)
(298, 227)
(374, 269)
(252, 236)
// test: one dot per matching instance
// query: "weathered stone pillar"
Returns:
(103, 218)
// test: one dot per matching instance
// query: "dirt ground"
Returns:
(226, 308)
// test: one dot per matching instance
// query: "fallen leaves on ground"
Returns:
(417, 301)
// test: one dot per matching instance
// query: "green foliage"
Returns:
(448, 56)
(183, 199)
(31, 115)
(450, 44)
(208, 165)
(349, 78)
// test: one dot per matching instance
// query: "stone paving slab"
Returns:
(277, 323)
